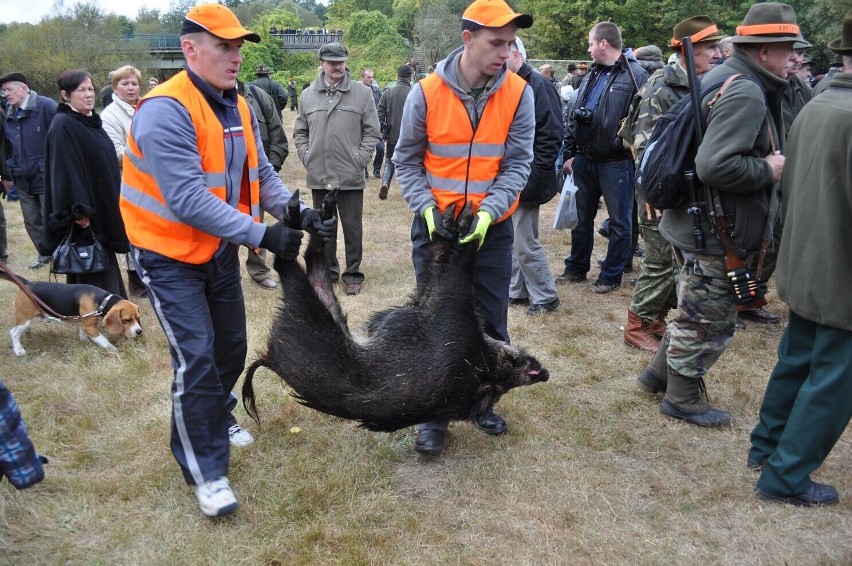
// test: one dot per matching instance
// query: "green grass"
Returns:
(590, 472)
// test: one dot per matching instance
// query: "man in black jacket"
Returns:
(390, 118)
(272, 87)
(532, 283)
(599, 161)
(276, 148)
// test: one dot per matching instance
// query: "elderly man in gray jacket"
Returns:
(335, 133)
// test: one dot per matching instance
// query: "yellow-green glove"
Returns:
(435, 224)
(477, 229)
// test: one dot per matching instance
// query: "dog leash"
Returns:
(43, 307)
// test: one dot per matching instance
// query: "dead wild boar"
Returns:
(428, 359)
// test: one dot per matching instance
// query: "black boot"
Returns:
(683, 401)
(653, 378)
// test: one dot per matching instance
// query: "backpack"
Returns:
(671, 150)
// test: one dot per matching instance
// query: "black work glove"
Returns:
(282, 241)
(324, 228)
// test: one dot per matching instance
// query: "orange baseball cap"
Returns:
(217, 20)
(495, 14)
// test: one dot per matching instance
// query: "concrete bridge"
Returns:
(165, 47)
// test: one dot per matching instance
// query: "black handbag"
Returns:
(79, 253)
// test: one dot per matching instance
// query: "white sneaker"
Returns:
(215, 497)
(239, 436)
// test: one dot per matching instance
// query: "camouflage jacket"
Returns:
(665, 87)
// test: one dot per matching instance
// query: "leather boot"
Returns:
(638, 334)
(683, 401)
(654, 378)
(658, 326)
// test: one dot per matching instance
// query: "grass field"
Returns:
(590, 473)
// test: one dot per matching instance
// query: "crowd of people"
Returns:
(151, 178)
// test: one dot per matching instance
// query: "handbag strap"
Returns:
(43, 307)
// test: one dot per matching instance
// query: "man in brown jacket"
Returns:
(336, 132)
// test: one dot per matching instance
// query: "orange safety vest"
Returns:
(462, 164)
(149, 222)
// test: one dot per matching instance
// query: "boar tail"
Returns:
(248, 390)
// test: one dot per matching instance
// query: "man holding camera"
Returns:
(599, 161)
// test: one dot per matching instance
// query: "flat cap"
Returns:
(333, 52)
(14, 76)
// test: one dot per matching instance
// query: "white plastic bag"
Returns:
(566, 211)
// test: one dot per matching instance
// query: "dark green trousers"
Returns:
(806, 406)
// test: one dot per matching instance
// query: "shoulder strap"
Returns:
(772, 141)
(253, 90)
(722, 90)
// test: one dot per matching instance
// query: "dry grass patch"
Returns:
(590, 472)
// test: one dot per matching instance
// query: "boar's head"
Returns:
(508, 367)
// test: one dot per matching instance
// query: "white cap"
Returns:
(521, 49)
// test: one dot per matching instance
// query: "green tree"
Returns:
(340, 11)
(82, 36)
(172, 19)
(373, 42)
(147, 21)
(404, 12)
(437, 28)
(820, 21)
(268, 52)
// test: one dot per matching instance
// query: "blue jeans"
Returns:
(389, 170)
(203, 316)
(614, 181)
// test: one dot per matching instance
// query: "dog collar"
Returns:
(101, 308)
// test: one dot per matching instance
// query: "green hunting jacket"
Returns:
(814, 263)
(731, 157)
(796, 95)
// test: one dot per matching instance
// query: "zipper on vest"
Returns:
(473, 127)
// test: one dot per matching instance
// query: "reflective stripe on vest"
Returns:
(149, 222)
(462, 164)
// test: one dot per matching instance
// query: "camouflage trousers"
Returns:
(655, 289)
(703, 324)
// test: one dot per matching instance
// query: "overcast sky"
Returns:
(34, 10)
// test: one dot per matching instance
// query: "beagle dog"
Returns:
(87, 302)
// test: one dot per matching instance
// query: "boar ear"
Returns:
(484, 402)
(508, 354)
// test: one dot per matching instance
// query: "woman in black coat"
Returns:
(82, 180)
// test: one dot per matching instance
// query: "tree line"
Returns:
(381, 34)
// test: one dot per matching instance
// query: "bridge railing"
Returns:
(171, 41)
(306, 40)
(155, 41)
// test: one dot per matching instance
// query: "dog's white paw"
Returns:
(20, 352)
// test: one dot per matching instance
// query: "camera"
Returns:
(582, 116)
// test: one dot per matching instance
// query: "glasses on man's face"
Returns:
(335, 63)
(8, 89)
